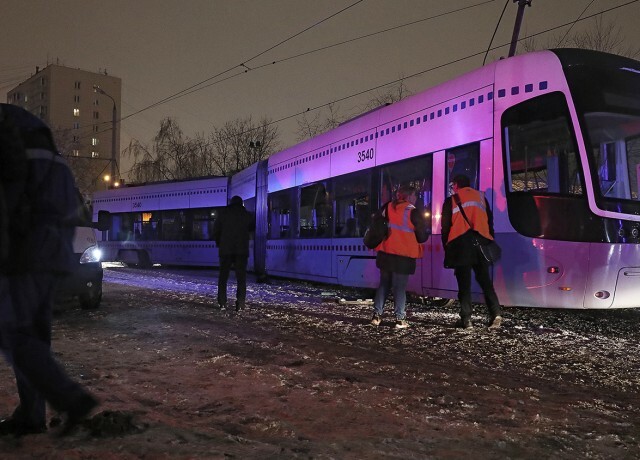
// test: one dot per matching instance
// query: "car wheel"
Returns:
(92, 297)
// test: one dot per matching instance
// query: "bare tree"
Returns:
(602, 36)
(225, 151)
(240, 143)
(607, 37)
(390, 94)
(310, 127)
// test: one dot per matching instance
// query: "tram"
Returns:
(551, 137)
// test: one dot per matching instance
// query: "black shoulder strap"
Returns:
(461, 209)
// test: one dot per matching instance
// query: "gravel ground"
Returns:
(301, 374)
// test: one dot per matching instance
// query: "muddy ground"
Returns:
(300, 375)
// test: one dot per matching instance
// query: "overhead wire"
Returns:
(244, 62)
(455, 61)
(574, 22)
(495, 31)
(197, 87)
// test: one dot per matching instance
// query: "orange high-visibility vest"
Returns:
(402, 239)
(474, 204)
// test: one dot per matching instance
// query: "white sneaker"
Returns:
(376, 320)
(402, 324)
(495, 324)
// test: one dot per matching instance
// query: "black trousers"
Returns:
(463, 275)
(25, 338)
(239, 263)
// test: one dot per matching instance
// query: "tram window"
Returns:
(417, 172)
(617, 159)
(280, 214)
(146, 226)
(173, 226)
(353, 204)
(202, 221)
(463, 160)
(540, 151)
(315, 211)
(121, 227)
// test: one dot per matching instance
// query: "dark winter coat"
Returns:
(461, 251)
(41, 234)
(232, 229)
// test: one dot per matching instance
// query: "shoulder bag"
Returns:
(490, 251)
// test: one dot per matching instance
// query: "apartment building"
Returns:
(80, 117)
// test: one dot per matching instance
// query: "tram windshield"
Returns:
(608, 102)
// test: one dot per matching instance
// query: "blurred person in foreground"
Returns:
(39, 210)
(396, 256)
(231, 232)
(462, 255)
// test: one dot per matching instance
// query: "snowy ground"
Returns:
(300, 375)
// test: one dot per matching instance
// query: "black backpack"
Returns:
(378, 230)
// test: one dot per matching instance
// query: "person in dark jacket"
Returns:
(397, 255)
(40, 211)
(231, 232)
(460, 252)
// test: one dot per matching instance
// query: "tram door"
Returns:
(446, 165)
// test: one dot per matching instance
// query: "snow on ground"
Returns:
(599, 347)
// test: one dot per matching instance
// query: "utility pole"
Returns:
(516, 27)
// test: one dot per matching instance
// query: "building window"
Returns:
(76, 85)
(76, 138)
(76, 125)
(96, 101)
(95, 154)
(43, 96)
(76, 112)
(76, 99)
(94, 141)
(96, 115)
(43, 81)
(95, 128)
(76, 153)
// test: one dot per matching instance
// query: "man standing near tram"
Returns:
(460, 252)
(231, 232)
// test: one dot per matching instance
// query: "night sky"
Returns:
(162, 47)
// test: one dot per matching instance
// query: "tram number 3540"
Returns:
(365, 155)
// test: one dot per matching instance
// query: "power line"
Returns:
(495, 30)
(420, 72)
(197, 87)
(242, 64)
(574, 22)
(455, 61)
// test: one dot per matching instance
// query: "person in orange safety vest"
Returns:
(396, 256)
(460, 252)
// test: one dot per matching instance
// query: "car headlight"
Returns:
(91, 254)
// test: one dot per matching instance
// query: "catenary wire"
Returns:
(574, 22)
(243, 63)
(246, 69)
(495, 31)
(455, 61)
(198, 87)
